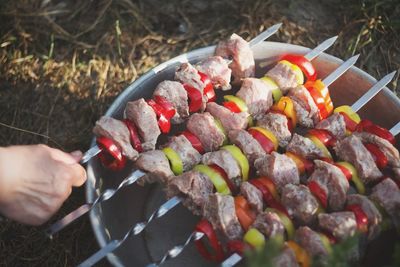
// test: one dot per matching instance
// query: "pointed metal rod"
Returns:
(265, 34)
(320, 48)
(395, 129)
(340, 70)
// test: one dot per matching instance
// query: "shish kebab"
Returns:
(366, 214)
(170, 204)
(136, 175)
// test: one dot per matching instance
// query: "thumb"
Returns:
(77, 155)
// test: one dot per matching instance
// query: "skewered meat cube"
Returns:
(156, 164)
(341, 225)
(304, 105)
(301, 205)
(230, 120)
(311, 241)
(281, 169)
(304, 147)
(253, 196)
(217, 69)
(278, 124)
(185, 150)
(250, 147)
(257, 96)
(237, 49)
(284, 77)
(352, 150)
(194, 186)
(332, 179)
(220, 211)
(176, 94)
(203, 126)
(269, 223)
(145, 120)
(334, 124)
(118, 132)
(373, 214)
(286, 258)
(387, 195)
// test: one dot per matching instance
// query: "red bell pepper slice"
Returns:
(208, 90)
(379, 157)
(244, 213)
(350, 124)
(319, 101)
(169, 110)
(304, 64)
(195, 97)
(345, 171)
(216, 253)
(231, 185)
(135, 141)
(232, 107)
(368, 126)
(194, 141)
(319, 193)
(265, 143)
(324, 136)
(111, 155)
(361, 217)
(163, 119)
(237, 246)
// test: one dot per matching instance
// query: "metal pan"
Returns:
(113, 218)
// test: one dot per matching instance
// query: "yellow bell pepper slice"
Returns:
(320, 145)
(285, 105)
(174, 160)
(296, 70)
(349, 111)
(302, 256)
(354, 176)
(217, 180)
(240, 159)
(269, 135)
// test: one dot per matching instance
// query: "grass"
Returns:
(63, 62)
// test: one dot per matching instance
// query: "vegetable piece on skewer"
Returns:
(111, 156)
(217, 253)
(304, 64)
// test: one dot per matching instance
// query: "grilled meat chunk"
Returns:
(283, 76)
(223, 159)
(230, 120)
(305, 107)
(220, 211)
(156, 164)
(185, 150)
(340, 224)
(278, 124)
(269, 223)
(250, 146)
(118, 132)
(194, 187)
(281, 169)
(145, 120)
(311, 241)
(332, 179)
(300, 203)
(387, 195)
(203, 126)
(369, 208)
(176, 94)
(217, 69)
(304, 147)
(287, 258)
(253, 196)
(352, 150)
(334, 124)
(257, 96)
(237, 49)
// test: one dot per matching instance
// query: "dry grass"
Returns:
(63, 62)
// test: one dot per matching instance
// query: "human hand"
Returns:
(35, 180)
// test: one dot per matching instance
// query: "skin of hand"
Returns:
(35, 180)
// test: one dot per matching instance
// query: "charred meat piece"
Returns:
(250, 146)
(278, 124)
(341, 225)
(177, 96)
(230, 120)
(203, 126)
(281, 169)
(301, 205)
(217, 69)
(237, 49)
(253, 196)
(220, 211)
(156, 164)
(145, 120)
(118, 132)
(352, 150)
(305, 107)
(385, 146)
(284, 77)
(269, 223)
(223, 159)
(332, 178)
(257, 96)
(185, 150)
(334, 124)
(286, 258)
(374, 216)
(387, 195)
(194, 187)
(304, 147)
(311, 241)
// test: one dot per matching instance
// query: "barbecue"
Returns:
(228, 168)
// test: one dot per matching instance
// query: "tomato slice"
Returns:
(195, 98)
(134, 136)
(361, 217)
(379, 157)
(304, 64)
(368, 126)
(216, 252)
(319, 193)
(194, 141)
(208, 90)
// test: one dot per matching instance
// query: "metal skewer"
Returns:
(171, 203)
